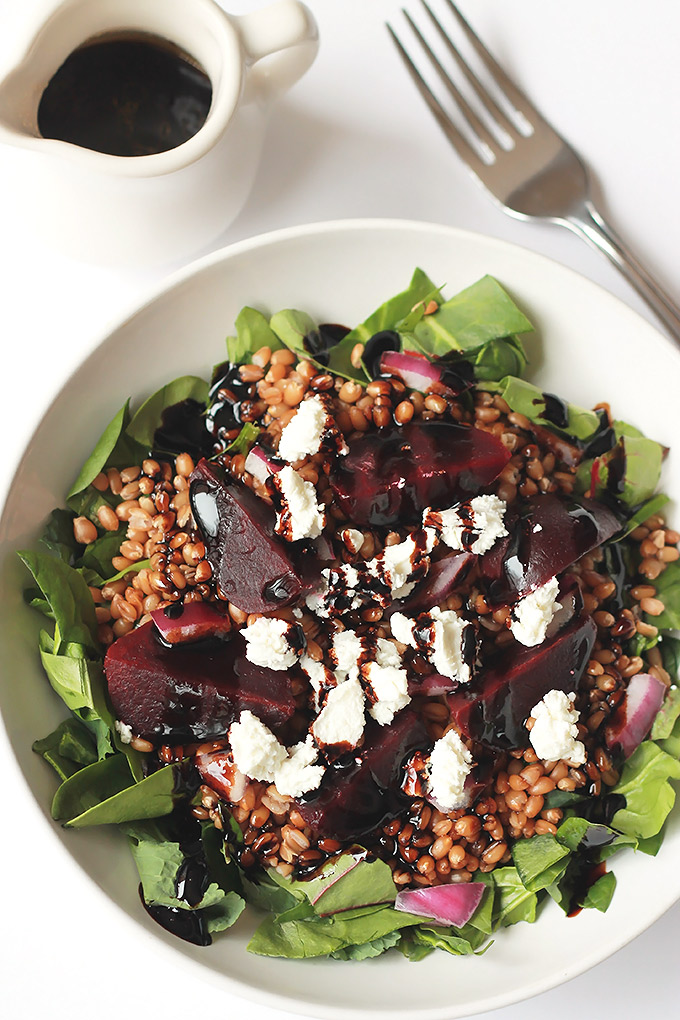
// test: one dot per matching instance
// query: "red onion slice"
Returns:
(444, 904)
(259, 465)
(191, 622)
(633, 720)
(417, 371)
(431, 686)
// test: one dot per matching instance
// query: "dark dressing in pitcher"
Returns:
(126, 95)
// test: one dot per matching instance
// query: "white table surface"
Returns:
(351, 139)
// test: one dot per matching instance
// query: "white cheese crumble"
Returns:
(341, 721)
(301, 515)
(346, 654)
(441, 636)
(388, 690)
(124, 732)
(553, 735)
(299, 773)
(482, 518)
(268, 643)
(533, 613)
(303, 434)
(257, 753)
(385, 682)
(320, 677)
(449, 766)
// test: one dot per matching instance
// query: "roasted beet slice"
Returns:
(550, 533)
(395, 474)
(356, 799)
(181, 624)
(191, 693)
(254, 569)
(496, 711)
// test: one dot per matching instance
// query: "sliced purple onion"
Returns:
(444, 904)
(417, 371)
(259, 465)
(441, 580)
(190, 622)
(633, 720)
(431, 686)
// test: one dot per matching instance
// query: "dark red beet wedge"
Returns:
(495, 713)
(356, 799)
(254, 569)
(395, 474)
(551, 533)
(191, 693)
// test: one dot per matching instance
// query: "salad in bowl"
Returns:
(367, 631)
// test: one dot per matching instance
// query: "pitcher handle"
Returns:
(287, 34)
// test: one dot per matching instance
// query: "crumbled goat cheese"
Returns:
(257, 753)
(301, 516)
(441, 635)
(533, 613)
(268, 643)
(352, 538)
(340, 592)
(346, 653)
(124, 732)
(321, 679)
(303, 434)
(481, 518)
(299, 773)
(341, 721)
(449, 766)
(553, 735)
(385, 682)
(387, 688)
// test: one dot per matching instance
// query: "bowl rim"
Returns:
(283, 1001)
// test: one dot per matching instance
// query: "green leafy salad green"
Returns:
(345, 912)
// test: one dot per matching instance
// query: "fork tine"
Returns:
(474, 123)
(515, 96)
(485, 98)
(463, 148)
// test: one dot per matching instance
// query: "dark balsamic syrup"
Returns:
(320, 341)
(555, 411)
(133, 94)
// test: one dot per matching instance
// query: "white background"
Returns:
(351, 139)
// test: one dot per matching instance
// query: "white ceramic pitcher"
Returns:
(156, 208)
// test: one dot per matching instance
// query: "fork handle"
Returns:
(592, 227)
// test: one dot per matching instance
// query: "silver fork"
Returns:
(539, 176)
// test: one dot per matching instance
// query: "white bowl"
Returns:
(592, 348)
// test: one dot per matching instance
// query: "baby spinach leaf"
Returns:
(244, 439)
(112, 437)
(291, 327)
(338, 889)
(636, 462)
(448, 939)
(667, 715)
(132, 569)
(97, 555)
(68, 748)
(540, 861)
(648, 509)
(481, 313)
(89, 502)
(497, 359)
(368, 950)
(105, 793)
(599, 896)
(58, 536)
(268, 895)
(645, 783)
(513, 901)
(69, 598)
(392, 313)
(252, 332)
(668, 590)
(525, 398)
(147, 418)
(79, 682)
(300, 934)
